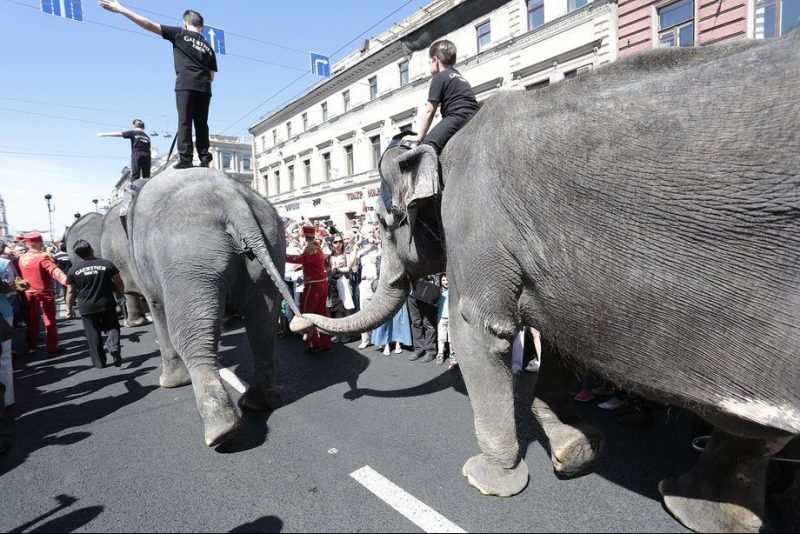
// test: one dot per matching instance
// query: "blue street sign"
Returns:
(216, 38)
(67, 9)
(320, 65)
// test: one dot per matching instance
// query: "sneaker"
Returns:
(117, 360)
(453, 364)
(427, 358)
(363, 345)
(612, 404)
(183, 165)
(584, 395)
(398, 349)
(204, 164)
(533, 366)
(387, 351)
(414, 357)
(439, 359)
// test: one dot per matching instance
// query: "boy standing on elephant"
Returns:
(315, 291)
(450, 91)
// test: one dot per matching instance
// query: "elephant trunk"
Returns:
(393, 291)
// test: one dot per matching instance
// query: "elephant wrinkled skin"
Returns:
(646, 219)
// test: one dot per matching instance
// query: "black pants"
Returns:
(193, 109)
(140, 165)
(447, 128)
(96, 323)
(423, 326)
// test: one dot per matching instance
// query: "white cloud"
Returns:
(73, 183)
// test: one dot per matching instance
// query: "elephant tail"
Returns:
(246, 232)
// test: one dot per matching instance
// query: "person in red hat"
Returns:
(39, 269)
(315, 294)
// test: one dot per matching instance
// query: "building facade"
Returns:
(646, 24)
(3, 221)
(317, 156)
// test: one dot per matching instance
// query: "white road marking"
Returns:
(416, 511)
(228, 376)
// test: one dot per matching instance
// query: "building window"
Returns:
(263, 143)
(226, 160)
(277, 182)
(538, 85)
(376, 150)
(576, 72)
(576, 4)
(289, 130)
(291, 177)
(535, 13)
(676, 24)
(246, 161)
(405, 128)
(776, 17)
(324, 107)
(307, 171)
(326, 166)
(305, 121)
(274, 137)
(346, 100)
(484, 35)
(403, 73)
(348, 160)
(373, 87)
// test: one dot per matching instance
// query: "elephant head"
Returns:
(412, 239)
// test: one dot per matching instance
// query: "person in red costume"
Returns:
(39, 269)
(315, 293)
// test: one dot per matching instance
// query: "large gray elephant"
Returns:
(198, 241)
(646, 219)
(88, 227)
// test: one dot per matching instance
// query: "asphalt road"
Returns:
(108, 450)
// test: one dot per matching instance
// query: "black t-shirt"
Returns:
(194, 57)
(93, 285)
(140, 141)
(454, 94)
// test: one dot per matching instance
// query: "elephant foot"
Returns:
(137, 321)
(260, 399)
(220, 427)
(493, 479)
(573, 447)
(685, 502)
(174, 375)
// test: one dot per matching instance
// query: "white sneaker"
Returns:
(614, 403)
(533, 366)
(363, 345)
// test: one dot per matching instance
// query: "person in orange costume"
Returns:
(39, 269)
(315, 294)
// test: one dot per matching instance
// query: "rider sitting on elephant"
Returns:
(450, 90)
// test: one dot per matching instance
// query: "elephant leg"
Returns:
(173, 371)
(195, 330)
(725, 491)
(483, 357)
(136, 316)
(574, 444)
(261, 322)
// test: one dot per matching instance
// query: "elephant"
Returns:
(88, 227)
(645, 218)
(198, 241)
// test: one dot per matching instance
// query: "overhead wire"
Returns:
(279, 91)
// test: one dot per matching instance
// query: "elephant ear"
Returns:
(410, 178)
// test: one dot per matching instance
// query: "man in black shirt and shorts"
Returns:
(94, 280)
(195, 67)
(140, 149)
(450, 91)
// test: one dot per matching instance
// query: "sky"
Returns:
(64, 81)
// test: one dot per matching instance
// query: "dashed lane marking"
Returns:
(237, 384)
(416, 511)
